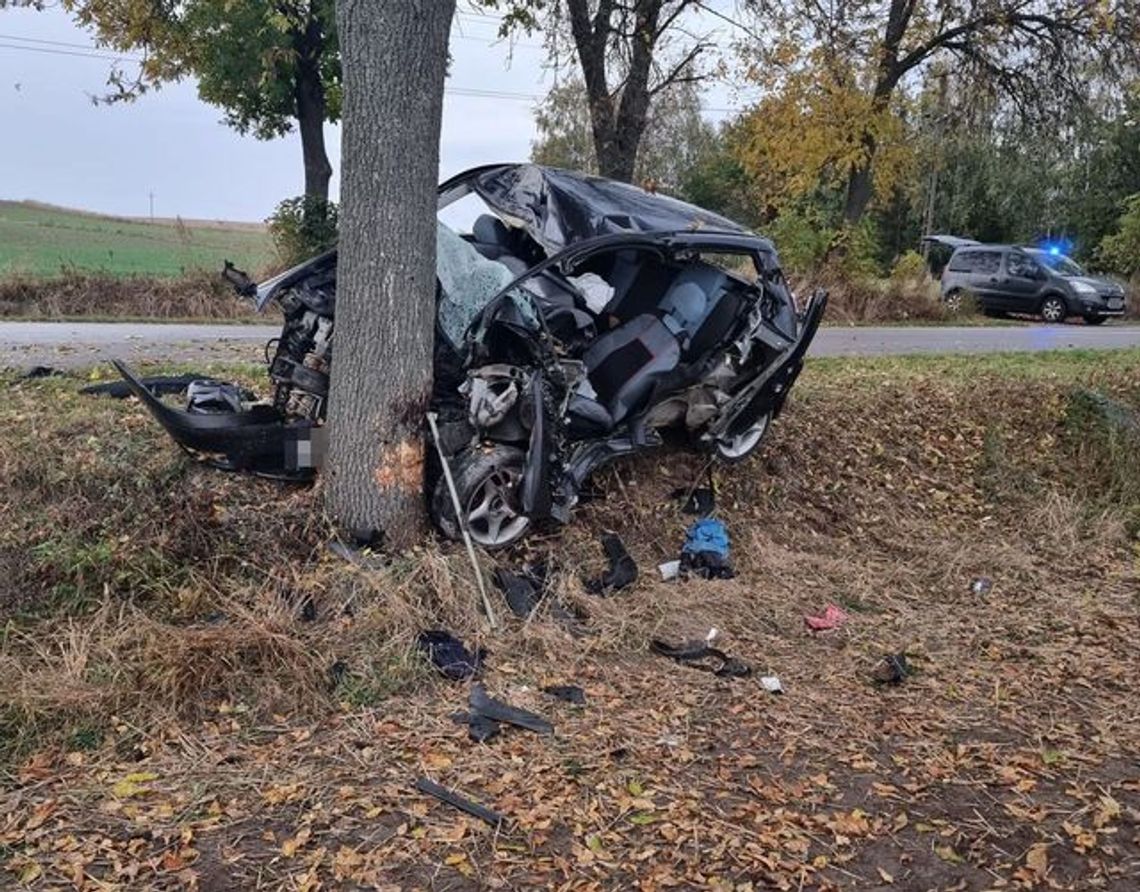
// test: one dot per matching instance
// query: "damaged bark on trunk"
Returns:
(394, 57)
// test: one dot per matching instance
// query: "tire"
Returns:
(953, 300)
(1053, 309)
(731, 450)
(1095, 320)
(486, 481)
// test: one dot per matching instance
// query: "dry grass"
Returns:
(855, 300)
(174, 643)
(81, 295)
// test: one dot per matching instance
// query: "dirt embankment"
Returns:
(198, 694)
(81, 295)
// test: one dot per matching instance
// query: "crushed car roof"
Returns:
(558, 207)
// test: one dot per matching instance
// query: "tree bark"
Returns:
(617, 128)
(309, 95)
(394, 57)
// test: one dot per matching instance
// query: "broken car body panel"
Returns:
(579, 321)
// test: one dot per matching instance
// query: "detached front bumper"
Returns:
(259, 440)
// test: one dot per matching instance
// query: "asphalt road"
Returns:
(79, 344)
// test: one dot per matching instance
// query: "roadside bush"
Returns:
(909, 269)
(1121, 250)
(302, 227)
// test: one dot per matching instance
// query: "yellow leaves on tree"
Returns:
(817, 126)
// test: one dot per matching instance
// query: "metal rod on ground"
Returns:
(462, 521)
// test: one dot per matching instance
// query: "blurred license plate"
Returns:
(1115, 303)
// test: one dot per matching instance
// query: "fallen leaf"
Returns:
(1037, 858)
(886, 877)
(290, 846)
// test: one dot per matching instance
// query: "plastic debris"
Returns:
(891, 669)
(450, 655)
(523, 591)
(622, 571)
(771, 684)
(669, 570)
(700, 655)
(832, 618)
(474, 809)
(479, 727)
(571, 693)
(485, 705)
(983, 585)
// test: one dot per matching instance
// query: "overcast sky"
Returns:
(62, 149)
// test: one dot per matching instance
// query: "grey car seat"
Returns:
(622, 367)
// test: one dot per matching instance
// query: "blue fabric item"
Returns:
(706, 535)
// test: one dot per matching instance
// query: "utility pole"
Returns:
(152, 206)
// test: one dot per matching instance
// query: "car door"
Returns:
(985, 279)
(1021, 283)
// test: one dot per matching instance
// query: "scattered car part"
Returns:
(159, 385)
(622, 570)
(579, 320)
(569, 692)
(431, 788)
(479, 728)
(523, 591)
(487, 706)
(450, 655)
(701, 655)
(39, 371)
(891, 669)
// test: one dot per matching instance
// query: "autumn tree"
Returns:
(839, 75)
(628, 53)
(675, 139)
(269, 66)
(395, 59)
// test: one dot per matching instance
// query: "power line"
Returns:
(92, 52)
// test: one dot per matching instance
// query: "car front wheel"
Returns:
(1053, 309)
(487, 483)
(739, 446)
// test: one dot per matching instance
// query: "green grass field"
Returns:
(37, 240)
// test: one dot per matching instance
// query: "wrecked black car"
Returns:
(579, 320)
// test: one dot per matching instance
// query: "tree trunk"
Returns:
(394, 57)
(309, 95)
(860, 188)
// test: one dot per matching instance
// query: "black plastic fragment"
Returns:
(487, 706)
(38, 371)
(622, 570)
(450, 655)
(571, 693)
(159, 385)
(523, 591)
(700, 655)
(479, 727)
(431, 788)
